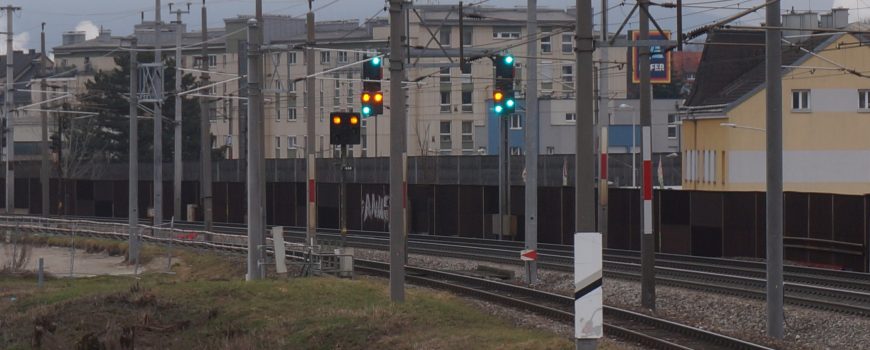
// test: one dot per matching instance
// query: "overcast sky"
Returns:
(120, 15)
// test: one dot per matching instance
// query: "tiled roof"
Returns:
(733, 65)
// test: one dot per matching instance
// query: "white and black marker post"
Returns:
(588, 296)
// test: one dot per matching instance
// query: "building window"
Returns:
(516, 151)
(546, 76)
(672, 126)
(342, 57)
(467, 107)
(800, 100)
(291, 58)
(277, 113)
(444, 75)
(291, 146)
(568, 75)
(551, 150)
(516, 122)
(336, 90)
(467, 35)
(567, 43)
(446, 143)
(546, 43)
(324, 57)
(445, 101)
(444, 36)
(277, 146)
(350, 94)
(197, 61)
(467, 137)
(506, 32)
(864, 100)
(291, 114)
(570, 117)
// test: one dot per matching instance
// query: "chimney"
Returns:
(105, 34)
(804, 22)
(70, 38)
(840, 17)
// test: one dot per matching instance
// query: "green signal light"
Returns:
(509, 59)
(366, 110)
(376, 61)
(498, 109)
(509, 103)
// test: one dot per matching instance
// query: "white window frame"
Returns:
(516, 122)
(468, 107)
(325, 57)
(672, 126)
(569, 42)
(291, 114)
(445, 107)
(864, 100)
(342, 57)
(803, 98)
(444, 138)
(277, 146)
(291, 58)
(467, 136)
(445, 33)
(568, 79)
(505, 33)
(546, 43)
(571, 117)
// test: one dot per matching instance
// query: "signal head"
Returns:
(508, 59)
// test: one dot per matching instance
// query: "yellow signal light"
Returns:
(498, 96)
(354, 120)
(366, 97)
(379, 97)
(336, 120)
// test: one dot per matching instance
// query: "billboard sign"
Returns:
(659, 59)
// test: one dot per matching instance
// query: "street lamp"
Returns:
(627, 107)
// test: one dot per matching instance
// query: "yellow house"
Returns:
(825, 108)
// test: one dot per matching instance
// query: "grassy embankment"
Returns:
(207, 305)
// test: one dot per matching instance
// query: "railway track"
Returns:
(625, 324)
(839, 291)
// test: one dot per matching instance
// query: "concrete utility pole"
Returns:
(255, 123)
(9, 104)
(310, 123)
(584, 156)
(647, 244)
(205, 132)
(158, 122)
(255, 141)
(45, 166)
(774, 172)
(532, 120)
(133, 176)
(176, 150)
(398, 114)
(603, 120)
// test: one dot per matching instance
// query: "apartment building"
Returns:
(825, 105)
(447, 104)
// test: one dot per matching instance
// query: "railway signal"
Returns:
(344, 128)
(372, 98)
(503, 98)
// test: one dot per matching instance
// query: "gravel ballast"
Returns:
(734, 316)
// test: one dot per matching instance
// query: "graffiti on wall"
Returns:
(376, 207)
